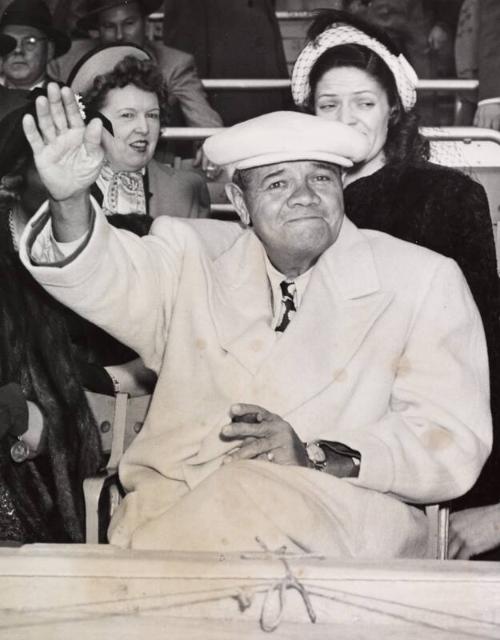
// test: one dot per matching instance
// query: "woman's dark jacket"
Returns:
(446, 211)
(42, 500)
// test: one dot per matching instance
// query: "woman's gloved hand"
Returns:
(13, 410)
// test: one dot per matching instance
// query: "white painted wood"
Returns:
(82, 591)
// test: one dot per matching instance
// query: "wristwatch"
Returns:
(20, 451)
(317, 454)
(12, 399)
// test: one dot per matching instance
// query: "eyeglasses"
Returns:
(28, 43)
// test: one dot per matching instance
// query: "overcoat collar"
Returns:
(341, 303)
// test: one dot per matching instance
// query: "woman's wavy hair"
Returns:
(404, 142)
(143, 74)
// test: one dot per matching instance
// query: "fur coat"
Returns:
(41, 500)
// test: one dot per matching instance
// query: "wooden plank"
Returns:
(56, 588)
(137, 628)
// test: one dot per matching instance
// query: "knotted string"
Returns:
(268, 621)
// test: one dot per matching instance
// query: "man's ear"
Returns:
(237, 199)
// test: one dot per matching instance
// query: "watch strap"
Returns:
(341, 449)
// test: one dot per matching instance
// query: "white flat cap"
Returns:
(285, 136)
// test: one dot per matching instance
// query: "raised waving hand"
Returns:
(68, 154)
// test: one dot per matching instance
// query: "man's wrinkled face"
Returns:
(122, 24)
(296, 208)
(25, 66)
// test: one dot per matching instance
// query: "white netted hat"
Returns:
(285, 136)
(338, 34)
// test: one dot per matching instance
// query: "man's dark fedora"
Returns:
(95, 7)
(7, 44)
(35, 13)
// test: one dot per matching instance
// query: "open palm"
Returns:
(67, 154)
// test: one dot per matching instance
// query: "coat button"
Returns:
(105, 426)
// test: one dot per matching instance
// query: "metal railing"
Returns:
(452, 85)
(281, 15)
(467, 134)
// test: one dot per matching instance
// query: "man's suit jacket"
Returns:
(175, 192)
(476, 47)
(12, 99)
(385, 354)
(231, 39)
(488, 52)
(179, 72)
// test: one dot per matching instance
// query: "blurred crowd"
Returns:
(228, 39)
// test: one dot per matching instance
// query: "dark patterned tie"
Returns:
(287, 304)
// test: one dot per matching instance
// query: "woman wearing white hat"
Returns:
(129, 94)
(350, 71)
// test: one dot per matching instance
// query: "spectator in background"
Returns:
(117, 21)
(231, 39)
(9, 98)
(123, 84)
(66, 14)
(477, 55)
(37, 43)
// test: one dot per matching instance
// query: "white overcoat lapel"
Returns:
(341, 303)
(241, 303)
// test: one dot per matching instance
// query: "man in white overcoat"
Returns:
(317, 384)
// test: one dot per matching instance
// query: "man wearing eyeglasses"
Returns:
(29, 22)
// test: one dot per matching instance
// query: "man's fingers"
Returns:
(241, 409)
(92, 136)
(44, 117)
(72, 109)
(56, 107)
(238, 430)
(257, 448)
(32, 134)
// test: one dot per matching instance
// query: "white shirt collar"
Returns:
(275, 278)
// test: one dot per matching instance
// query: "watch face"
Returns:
(19, 451)
(315, 453)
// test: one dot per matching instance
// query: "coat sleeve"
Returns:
(431, 444)
(183, 83)
(124, 284)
